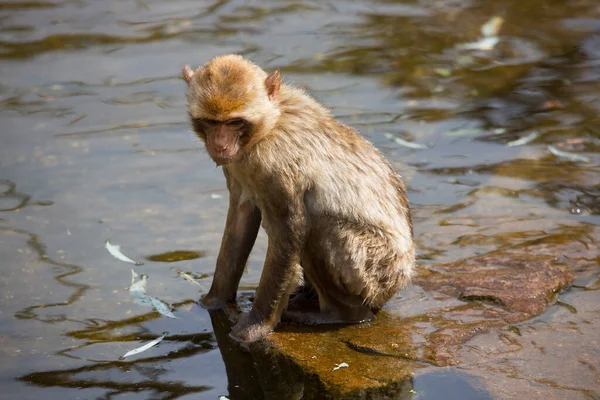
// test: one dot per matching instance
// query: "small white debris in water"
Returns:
(524, 140)
(342, 365)
(144, 347)
(566, 155)
(115, 251)
(215, 196)
(490, 38)
(492, 26)
(402, 142)
(485, 44)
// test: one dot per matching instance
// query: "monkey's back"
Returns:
(356, 202)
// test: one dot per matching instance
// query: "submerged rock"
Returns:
(425, 325)
(522, 284)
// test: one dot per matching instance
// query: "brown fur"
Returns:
(334, 210)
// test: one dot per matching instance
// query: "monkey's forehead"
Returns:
(226, 85)
(221, 105)
(223, 100)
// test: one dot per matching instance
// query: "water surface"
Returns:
(95, 145)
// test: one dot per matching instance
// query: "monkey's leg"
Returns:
(303, 299)
(336, 305)
(279, 278)
(241, 229)
(304, 294)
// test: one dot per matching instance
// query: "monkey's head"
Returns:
(232, 104)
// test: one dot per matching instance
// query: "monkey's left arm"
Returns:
(286, 224)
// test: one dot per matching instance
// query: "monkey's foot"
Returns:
(248, 330)
(304, 299)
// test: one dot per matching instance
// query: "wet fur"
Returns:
(334, 210)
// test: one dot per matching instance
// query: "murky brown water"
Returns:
(94, 145)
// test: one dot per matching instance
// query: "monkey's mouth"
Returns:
(222, 160)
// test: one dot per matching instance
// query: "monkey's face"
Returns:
(223, 139)
(233, 104)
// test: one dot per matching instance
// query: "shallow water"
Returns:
(95, 145)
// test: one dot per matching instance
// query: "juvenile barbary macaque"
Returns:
(334, 210)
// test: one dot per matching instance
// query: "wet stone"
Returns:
(425, 325)
(522, 284)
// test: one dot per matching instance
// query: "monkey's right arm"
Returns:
(241, 229)
(287, 228)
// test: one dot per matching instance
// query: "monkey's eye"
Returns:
(236, 123)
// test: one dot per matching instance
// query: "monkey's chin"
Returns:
(222, 160)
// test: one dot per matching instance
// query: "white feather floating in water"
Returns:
(524, 140)
(342, 365)
(489, 30)
(138, 291)
(115, 251)
(465, 132)
(405, 143)
(568, 156)
(144, 347)
(486, 44)
(492, 26)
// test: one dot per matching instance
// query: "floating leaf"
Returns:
(465, 60)
(485, 44)
(144, 347)
(465, 132)
(115, 251)
(161, 307)
(492, 26)
(445, 72)
(568, 156)
(188, 277)
(405, 143)
(524, 140)
(342, 365)
(138, 291)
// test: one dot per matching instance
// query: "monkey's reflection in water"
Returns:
(259, 371)
(253, 371)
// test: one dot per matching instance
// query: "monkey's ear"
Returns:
(273, 84)
(188, 74)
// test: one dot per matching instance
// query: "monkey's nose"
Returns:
(221, 147)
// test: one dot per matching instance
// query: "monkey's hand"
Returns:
(250, 329)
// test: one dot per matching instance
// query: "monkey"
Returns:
(334, 210)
